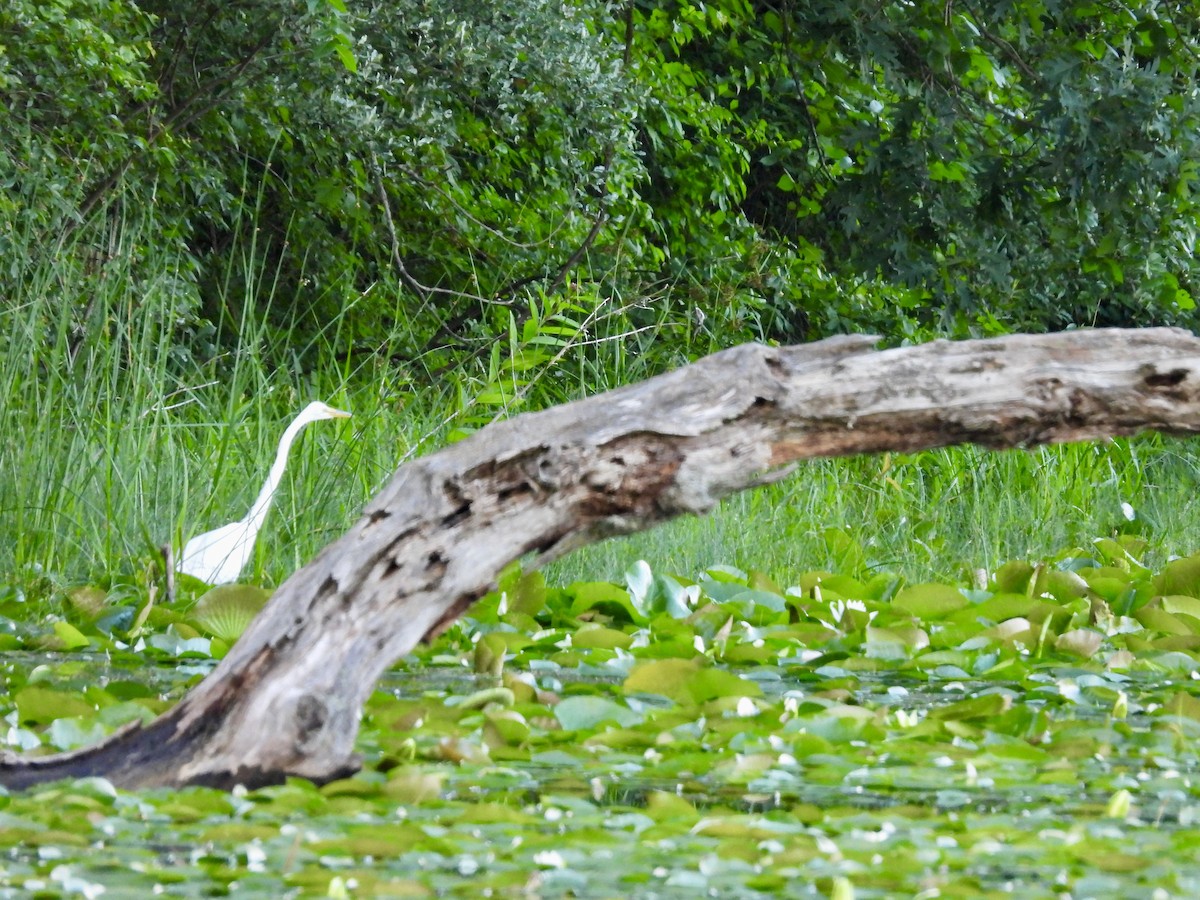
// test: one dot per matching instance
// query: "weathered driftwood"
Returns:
(287, 698)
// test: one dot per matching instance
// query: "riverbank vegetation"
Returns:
(435, 213)
(442, 214)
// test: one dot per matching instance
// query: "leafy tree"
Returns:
(463, 182)
(981, 166)
(70, 70)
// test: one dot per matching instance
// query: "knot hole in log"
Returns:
(1170, 378)
(311, 714)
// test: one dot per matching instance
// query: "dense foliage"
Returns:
(1012, 165)
(442, 172)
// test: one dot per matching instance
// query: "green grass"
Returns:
(131, 420)
(117, 440)
(929, 516)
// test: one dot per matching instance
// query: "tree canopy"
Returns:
(676, 173)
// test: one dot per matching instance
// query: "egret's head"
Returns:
(318, 410)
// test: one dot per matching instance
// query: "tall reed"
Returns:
(118, 438)
(934, 515)
(120, 433)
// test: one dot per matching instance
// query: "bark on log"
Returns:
(287, 698)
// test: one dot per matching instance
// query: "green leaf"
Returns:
(227, 610)
(586, 712)
(653, 594)
(592, 635)
(412, 786)
(639, 579)
(1180, 576)
(712, 683)
(601, 596)
(929, 602)
(505, 728)
(1182, 704)
(88, 600)
(528, 595)
(174, 643)
(39, 705)
(1157, 619)
(70, 637)
(973, 709)
(1177, 605)
(688, 681)
(490, 650)
(346, 55)
(666, 677)
(72, 733)
(759, 608)
(1061, 585)
(1013, 577)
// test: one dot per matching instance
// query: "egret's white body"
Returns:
(218, 556)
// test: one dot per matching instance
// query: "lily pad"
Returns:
(1080, 641)
(227, 610)
(1180, 576)
(606, 598)
(39, 704)
(585, 712)
(930, 601)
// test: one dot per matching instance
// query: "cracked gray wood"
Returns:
(288, 697)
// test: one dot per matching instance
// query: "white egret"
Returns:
(218, 556)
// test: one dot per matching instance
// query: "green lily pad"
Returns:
(713, 684)
(929, 602)
(666, 677)
(1157, 619)
(88, 600)
(1177, 605)
(68, 637)
(1063, 586)
(688, 681)
(71, 733)
(1013, 577)
(227, 610)
(489, 653)
(845, 587)
(1180, 576)
(654, 594)
(412, 785)
(586, 712)
(175, 641)
(606, 598)
(973, 709)
(528, 595)
(592, 635)
(39, 704)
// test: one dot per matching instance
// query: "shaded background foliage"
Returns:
(433, 175)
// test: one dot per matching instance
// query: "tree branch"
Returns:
(287, 698)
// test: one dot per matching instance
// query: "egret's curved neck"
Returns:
(258, 512)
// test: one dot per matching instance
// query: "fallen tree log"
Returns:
(287, 698)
